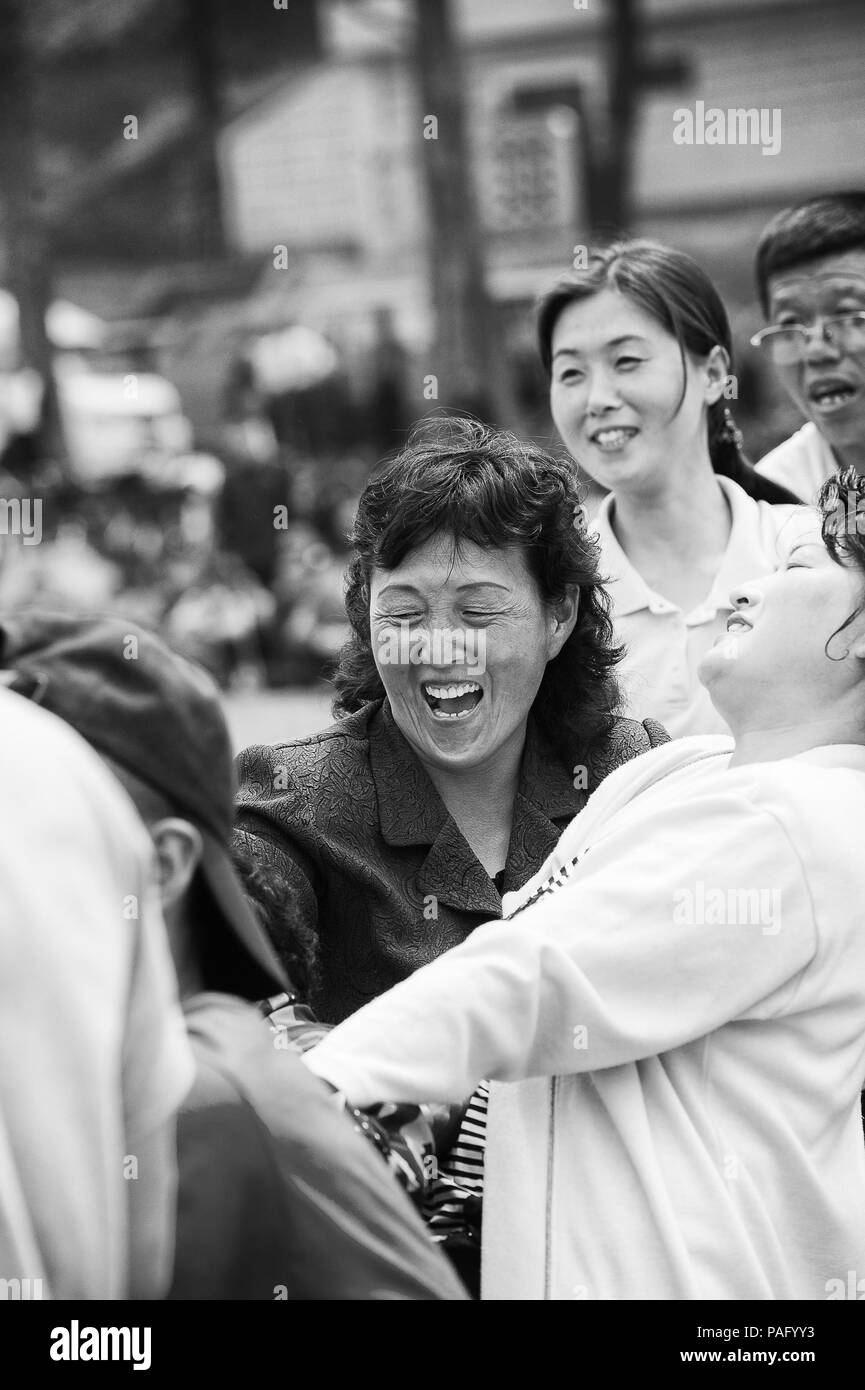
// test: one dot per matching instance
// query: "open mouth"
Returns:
(736, 623)
(828, 395)
(611, 439)
(452, 701)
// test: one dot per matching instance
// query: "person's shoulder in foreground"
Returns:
(315, 1210)
(802, 462)
(90, 1028)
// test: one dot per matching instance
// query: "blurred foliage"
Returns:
(180, 67)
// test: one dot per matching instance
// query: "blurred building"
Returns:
(330, 168)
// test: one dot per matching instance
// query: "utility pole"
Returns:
(605, 133)
(26, 240)
(467, 359)
(200, 39)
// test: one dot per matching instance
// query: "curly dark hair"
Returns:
(842, 503)
(457, 477)
(275, 904)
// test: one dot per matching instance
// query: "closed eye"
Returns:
(629, 362)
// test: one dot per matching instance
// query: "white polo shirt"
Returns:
(665, 645)
(801, 463)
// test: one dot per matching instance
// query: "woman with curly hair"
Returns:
(476, 705)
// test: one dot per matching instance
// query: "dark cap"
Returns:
(158, 716)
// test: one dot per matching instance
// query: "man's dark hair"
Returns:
(455, 477)
(824, 226)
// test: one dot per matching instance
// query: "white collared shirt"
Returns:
(801, 463)
(665, 645)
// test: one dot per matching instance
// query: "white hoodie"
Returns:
(683, 1014)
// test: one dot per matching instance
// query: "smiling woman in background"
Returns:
(477, 708)
(639, 353)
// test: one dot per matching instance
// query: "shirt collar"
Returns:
(742, 558)
(628, 589)
(411, 812)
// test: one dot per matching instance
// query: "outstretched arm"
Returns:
(630, 958)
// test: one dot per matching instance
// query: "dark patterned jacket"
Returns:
(350, 818)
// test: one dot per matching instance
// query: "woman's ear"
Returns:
(563, 617)
(717, 370)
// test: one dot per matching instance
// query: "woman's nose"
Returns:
(744, 596)
(602, 395)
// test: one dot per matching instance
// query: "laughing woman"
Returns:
(477, 711)
(639, 353)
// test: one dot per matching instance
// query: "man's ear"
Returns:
(178, 848)
(717, 369)
(563, 617)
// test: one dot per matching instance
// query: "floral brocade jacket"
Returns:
(381, 871)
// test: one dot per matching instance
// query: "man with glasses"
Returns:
(810, 269)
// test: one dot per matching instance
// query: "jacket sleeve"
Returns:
(623, 961)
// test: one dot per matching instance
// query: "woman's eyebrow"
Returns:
(611, 343)
(397, 589)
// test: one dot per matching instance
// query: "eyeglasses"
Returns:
(788, 342)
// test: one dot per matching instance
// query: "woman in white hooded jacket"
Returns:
(673, 1011)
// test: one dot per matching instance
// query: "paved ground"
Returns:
(273, 716)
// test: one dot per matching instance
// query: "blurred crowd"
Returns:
(236, 555)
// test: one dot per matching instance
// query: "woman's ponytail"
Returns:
(728, 458)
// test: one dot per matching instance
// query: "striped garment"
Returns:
(453, 1198)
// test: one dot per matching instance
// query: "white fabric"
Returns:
(801, 463)
(703, 1137)
(665, 645)
(93, 1054)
